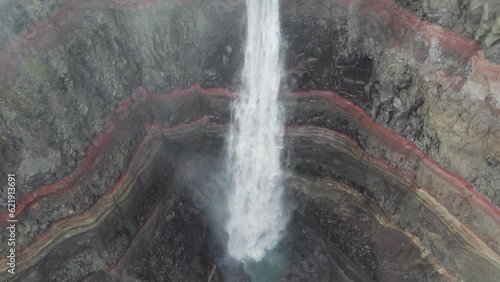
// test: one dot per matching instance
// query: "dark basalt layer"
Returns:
(476, 19)
(393, 176)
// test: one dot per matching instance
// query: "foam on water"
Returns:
(257, 218)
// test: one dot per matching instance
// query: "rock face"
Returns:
(64, 76)
(355, 204)
(429, 85)
(392, 140)
(477, 19)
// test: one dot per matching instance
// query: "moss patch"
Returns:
(33, 66)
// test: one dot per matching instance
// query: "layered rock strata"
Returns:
(430, 85)
(394, 175)
(192, 122)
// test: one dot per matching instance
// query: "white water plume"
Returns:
(257, 218)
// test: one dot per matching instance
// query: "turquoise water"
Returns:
(270, 267)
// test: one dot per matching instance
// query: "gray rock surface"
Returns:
(17, 16)
(59, 97)
(477, 19)
(393, 68)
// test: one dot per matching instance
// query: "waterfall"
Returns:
(257, 218)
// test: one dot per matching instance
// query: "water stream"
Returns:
(257, 218)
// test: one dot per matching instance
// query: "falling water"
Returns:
(256, 215)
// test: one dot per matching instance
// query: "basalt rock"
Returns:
(181, 152)
(477, 19)
(392, 139)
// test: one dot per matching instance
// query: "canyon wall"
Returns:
(393, 136)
